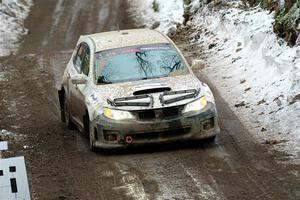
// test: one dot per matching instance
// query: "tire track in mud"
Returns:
(164, 175)
(130, 184)
(55, 25)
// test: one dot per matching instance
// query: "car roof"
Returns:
(124, 38)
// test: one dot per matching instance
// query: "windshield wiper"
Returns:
(102, 79)
(175, 66)
(188, 94)
(124, 101)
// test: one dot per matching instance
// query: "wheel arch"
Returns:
(88, 118)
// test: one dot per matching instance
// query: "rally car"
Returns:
(134, 87)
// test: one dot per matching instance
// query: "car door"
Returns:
(81, 64)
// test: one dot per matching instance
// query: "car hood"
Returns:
(129, 89)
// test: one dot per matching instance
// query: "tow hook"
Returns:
(128, 139)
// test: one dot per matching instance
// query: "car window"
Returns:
(82, 59)
(138, 62)
(85, 67)
(78, 58)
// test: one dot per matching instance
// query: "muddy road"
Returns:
(59, 163)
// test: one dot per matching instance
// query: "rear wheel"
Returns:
(92, 137)
(68, 120)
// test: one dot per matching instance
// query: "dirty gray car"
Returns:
(134, 87)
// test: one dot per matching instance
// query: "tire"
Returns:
(62, 116)
(61, 96)
(67, 117)
(92, 136)
(86, 125)
(211, 139)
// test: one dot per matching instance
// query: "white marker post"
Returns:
(13, 177)
(3, 147)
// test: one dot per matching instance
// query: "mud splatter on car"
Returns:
(134, 87)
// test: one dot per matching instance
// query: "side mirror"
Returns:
(197, 65)
(79, 79)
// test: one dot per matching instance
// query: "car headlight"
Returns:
(117, 114)
(197, 105)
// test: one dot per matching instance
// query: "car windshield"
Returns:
(137, 63)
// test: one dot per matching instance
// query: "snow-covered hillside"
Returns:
(254, 71)
(12, 16)
(160, 14)
(257, 73)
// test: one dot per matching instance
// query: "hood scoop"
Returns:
(174, 96)
(152, 90)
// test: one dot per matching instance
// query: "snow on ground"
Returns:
(254, 71)
(159, 14)
(3, 76)
(12, 16)
(4, 134)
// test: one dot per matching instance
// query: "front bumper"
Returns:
(115, 134)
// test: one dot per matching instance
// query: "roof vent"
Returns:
(125, 33)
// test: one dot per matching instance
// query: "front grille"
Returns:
(146, 115)
(170, 112)
(164, 113)
(161, 134)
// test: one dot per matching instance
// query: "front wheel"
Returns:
(92, 137)
(210, 139)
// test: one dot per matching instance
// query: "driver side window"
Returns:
(85, 68)
(82, 59)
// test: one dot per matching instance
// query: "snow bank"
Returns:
(255, 72)
(12, 16)
(167, 15)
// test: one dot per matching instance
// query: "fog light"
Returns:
(111, 135)
(208, 124)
